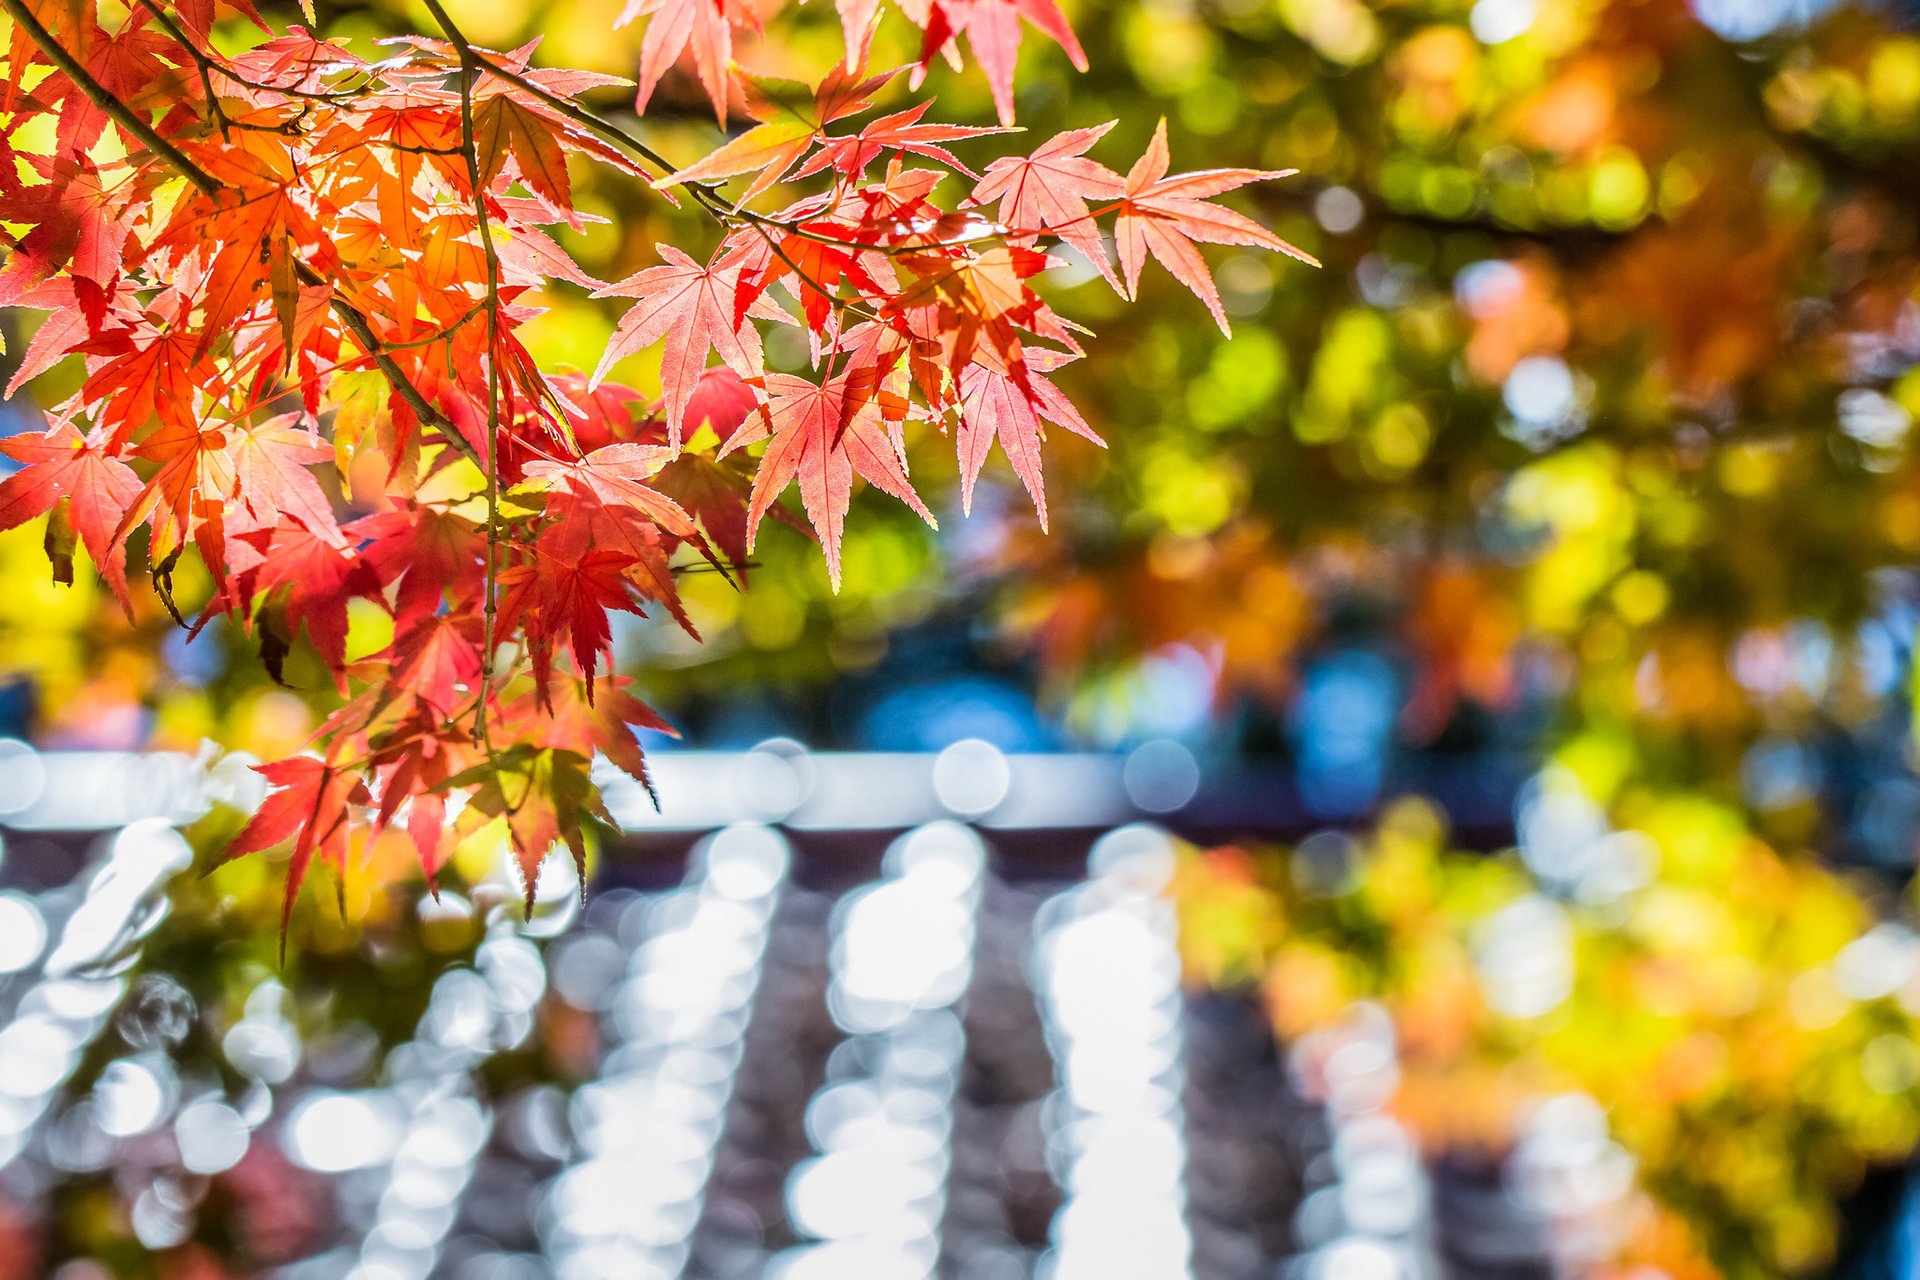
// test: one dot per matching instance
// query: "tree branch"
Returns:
(123, 115)
(208, 185)
(470, 75)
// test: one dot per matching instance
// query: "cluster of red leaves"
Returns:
(292, 256)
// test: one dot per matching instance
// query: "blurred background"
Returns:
(1487, 676)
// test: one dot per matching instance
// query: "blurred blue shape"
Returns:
(933, 715)
(1342, 727)
(1743, 20)
(738, 725)
(1778, 772)
(1177, 688)
(196, 659)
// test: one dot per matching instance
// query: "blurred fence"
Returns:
(862, 1017)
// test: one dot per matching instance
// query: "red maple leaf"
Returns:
(1008, 405)
(310, 806)
(616, 476)
(693, 308)
(187, 494)
(413, 765)
(149, 371)
(706, 25)
(437, 658)
(823, 435)
(583, 717)
(791, 115)
(1048, 191)
(1165, 216)
(562, 595)
(508, 123)
(993, 29)
(541, 794)
(902, 131)
(270, 464)
(308, 581)
(434, 555)
(64, 466)
(78, 225)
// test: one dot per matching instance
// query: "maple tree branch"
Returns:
(200, 60)
(208, 64)
(705, 195)
(208, 185)
(98, 94)
(470, 75)
(575, 112)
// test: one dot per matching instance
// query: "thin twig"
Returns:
(470, 75)
(706, 195)
(208, 64)
(200, 60)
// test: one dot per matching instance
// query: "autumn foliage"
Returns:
(274, 262)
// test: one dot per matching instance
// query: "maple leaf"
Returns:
(308, 581)
(719, 400)
(298, 61)
(310, 806)
(437, 658)
(66, 327)
(587, 716)
(64, 467)
(504, 124)
(693, 308)
(1008, 406)
(187, 493)
(964, 303)
(858, 18)
(435, 556)
(1165, 216)
(1048, 191)
(823, 435)
(616, 476)
(791, 116)
(270, 464)
(563, 595)
(993, 30)
(532, 253)
(413, 764)
(541, 793)
(78, 225)
(197, 15)
(150, 372)
(610, 413)
(603, 501)
(706, 25)
(715, 494)
(643, 550)
(132, 64)
(813, 268)
(902, 131)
